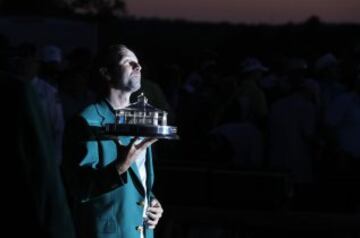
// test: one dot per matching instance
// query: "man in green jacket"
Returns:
(110, 181)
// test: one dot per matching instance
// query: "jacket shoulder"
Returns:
(91, 114)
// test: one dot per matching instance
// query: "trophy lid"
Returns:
(142, 105)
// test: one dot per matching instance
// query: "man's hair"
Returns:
(111, 55)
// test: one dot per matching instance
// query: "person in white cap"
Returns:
(327, 73)
(249, 103)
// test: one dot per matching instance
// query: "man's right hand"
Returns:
(128, 154)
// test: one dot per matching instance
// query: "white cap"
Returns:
(252, 64)
(326, 61)
(51, 53)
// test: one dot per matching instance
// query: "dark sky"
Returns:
(248, 11)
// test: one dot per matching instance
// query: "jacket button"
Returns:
(141, 203)
(140, 228)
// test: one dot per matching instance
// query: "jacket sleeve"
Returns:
(83, 178)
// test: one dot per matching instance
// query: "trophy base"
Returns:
(159, 132)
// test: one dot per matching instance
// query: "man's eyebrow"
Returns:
(126, 58)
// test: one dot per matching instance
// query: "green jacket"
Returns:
(104, 204)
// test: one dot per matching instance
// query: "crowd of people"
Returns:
(297, 116)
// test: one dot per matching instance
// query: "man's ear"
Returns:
(104, 72)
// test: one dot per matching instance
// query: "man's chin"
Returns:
(135, 87)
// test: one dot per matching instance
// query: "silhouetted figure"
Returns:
(36, 204)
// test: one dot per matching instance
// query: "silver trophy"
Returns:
(143, 120)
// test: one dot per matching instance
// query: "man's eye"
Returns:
(133, 64)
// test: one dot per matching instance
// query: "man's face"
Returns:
(126, 74)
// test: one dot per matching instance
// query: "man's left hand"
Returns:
(154, 213)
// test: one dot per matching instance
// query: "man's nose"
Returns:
(136, 66)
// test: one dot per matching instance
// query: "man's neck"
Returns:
(118, 99)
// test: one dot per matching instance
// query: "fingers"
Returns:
(151, 224)
(128, 154)
(133, 140)
(154, 213)
(137, 146)
(155, 210)
(153, 218)
(145, 143)
(155, 207)
(155, 203)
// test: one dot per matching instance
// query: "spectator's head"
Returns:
(252, 65)
(252, 68)
(326, 62)
(51, 54)
(51, 59)
(327, 66)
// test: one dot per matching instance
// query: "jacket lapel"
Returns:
(105, 112)
(133, 170)
(137, 181)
